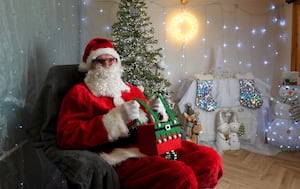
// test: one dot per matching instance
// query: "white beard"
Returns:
(106, 81)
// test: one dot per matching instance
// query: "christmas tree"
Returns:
(133, 38)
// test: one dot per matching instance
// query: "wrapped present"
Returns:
(155, 137)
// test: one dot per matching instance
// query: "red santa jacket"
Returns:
(80, 121)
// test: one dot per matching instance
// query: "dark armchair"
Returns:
(82, 169)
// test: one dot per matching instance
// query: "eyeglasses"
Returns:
(102, 61)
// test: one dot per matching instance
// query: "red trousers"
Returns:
(197, 167)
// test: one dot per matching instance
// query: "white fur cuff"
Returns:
(115, 125)
(119, 155)
(143, 117)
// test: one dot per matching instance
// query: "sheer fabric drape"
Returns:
(34, 35)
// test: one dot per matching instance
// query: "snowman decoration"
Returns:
(284, 130)
(288, 106)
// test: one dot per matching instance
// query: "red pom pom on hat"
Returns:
(94, 48)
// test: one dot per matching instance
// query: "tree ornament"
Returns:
(162, 64)
(142, 29)
(133, 11)
(138, 58)
(152, 30)
(149, 48)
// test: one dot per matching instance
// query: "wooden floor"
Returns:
(246, 170)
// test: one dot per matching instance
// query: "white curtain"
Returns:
(34, 35)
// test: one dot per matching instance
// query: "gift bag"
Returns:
(155, 137)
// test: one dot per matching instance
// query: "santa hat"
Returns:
(94, 48)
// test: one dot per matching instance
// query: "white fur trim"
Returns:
(118, 100)
(141, 87)
(115, 125)
(119, 155)
(101, 51)
(143, 117)
(83, 67)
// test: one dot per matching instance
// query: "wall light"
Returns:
(184, 26)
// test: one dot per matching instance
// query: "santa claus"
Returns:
(97, 114)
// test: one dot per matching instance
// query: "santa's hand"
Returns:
(130, 111)
(115, 121)
(156, 105)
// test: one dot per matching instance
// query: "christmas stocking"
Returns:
(204, 98)
(249, 96)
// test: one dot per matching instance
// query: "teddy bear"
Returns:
(234, 129)
(227, 131)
